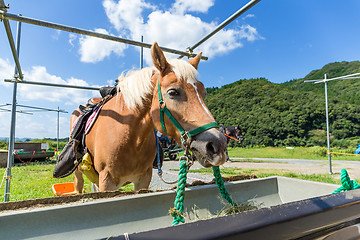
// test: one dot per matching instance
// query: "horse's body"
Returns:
(122, 142)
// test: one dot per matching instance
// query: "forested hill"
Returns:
(291, 113)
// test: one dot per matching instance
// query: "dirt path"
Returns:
(300, 166)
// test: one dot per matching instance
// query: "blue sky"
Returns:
(279, 40)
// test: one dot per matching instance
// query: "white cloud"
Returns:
(6, 71)
(182, 6)
(68, 95)
(95, 49)
(249, 33)
(126, 14)
(248, 16)
(72, 38)
(173, 27)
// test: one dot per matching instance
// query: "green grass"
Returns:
(256, 161)
(296, 153)
(35, 181)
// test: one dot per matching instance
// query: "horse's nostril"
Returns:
(210, 148)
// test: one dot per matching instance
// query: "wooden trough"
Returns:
(289, 208)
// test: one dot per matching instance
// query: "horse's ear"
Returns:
(195, 61)
(159, 59)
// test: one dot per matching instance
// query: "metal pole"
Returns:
(5, 16)
(13, 49)
(58, 127)
(141, 53)
(40, 108)
(327, 125)
(224, 24)
(53, 84)
(10, 159)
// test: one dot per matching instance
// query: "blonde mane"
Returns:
(136, 85)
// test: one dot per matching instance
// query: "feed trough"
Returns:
(282, 202)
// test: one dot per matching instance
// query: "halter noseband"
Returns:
(185, 135)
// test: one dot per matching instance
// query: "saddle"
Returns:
(73, 152)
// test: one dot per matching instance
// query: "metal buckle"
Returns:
(162, 104)
(185, 138)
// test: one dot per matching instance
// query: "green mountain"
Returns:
(291, 113)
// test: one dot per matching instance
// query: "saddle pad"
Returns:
(92, 119)
(89, 122)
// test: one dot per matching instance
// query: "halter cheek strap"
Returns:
(185, 135)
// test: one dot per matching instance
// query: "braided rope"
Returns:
(177, 211)
(346, 183)
(220, 183)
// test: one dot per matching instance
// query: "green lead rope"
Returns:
(220, 183)
(177, 211)
(346, 183)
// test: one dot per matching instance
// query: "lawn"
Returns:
(293, 153)
(35, 181)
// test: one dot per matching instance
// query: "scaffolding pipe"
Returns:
(10, 159)
(327, 126)
(40, 108)
(13, 48)
(224, 24)
(9, 16)
(339, 78)
(53, 84)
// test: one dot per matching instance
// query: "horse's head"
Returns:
(238, 133)
(177, 91)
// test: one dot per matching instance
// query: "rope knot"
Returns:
(346, 183)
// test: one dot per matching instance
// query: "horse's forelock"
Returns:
(184, 70)
(136, 85)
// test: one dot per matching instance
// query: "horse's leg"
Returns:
(79, 181)
(106, 182)
(144, 180)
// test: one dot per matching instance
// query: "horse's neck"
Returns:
(139, 121)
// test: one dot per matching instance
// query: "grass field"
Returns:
(35, 180)
(295, 153)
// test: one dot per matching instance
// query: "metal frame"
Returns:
(38, 109)
(325, 81)
(8, 16)
(224, 24)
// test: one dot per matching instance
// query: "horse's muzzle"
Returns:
(209, 148)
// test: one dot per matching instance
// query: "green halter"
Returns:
(185, 135)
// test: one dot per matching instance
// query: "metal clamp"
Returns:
(4, 8)
(190, 51)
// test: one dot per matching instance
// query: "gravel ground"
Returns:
(300, 166)
(170, 175)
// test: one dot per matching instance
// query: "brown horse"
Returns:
(122, 142)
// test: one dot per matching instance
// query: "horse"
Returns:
(121, 142)
(232, 131)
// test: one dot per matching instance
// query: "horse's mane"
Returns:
(136, 85)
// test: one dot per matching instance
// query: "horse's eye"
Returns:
(173, 92)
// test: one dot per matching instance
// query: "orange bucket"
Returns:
(64, 189)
